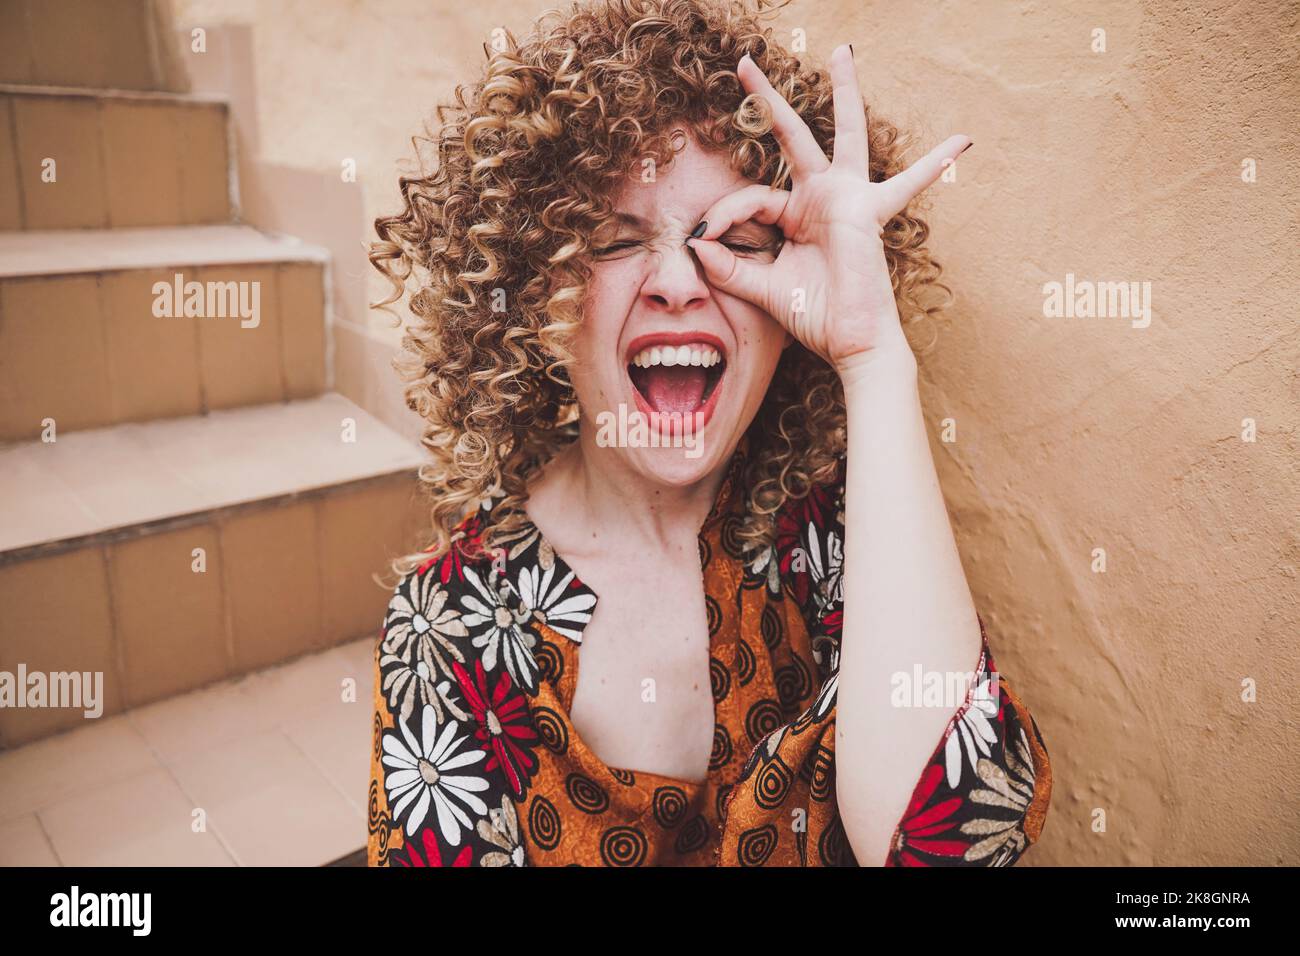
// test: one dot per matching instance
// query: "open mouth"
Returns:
(677, 375)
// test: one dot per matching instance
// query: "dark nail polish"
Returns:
(967, 146)
(851, 53)
(699, 230)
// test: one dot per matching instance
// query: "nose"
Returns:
(675, 282)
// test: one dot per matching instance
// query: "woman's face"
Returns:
(659, 347)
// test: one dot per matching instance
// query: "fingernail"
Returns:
(967, 146)
(851, 53)
(699, 230)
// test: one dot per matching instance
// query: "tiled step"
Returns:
(123, 44)
(274, 764)
(171, 554)
(81, 343)
(97, 159)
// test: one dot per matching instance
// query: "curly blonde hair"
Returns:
(521, 177)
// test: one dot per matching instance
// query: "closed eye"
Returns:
(617, 247)
(749, 247)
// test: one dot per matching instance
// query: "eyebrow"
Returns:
(628, 219)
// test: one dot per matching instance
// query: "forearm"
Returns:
(906, 603)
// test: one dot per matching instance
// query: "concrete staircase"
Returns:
(183, 500)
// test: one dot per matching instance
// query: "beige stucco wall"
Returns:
(1071, 434)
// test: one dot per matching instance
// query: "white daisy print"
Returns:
(975, 731)
(553, 603)
(422, 777)
(826, 568)
(768, 567)
(419, 612)
(409, 688)
(1011, 789)
(501, 829)
(500, 631)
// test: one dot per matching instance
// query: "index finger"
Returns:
(757, 201)
(791, 132)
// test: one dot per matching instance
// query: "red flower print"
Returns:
(451, 566)
(467, 547)
(432, 856)
(419, 572)
(791, 534)
(833, 622)
(922, 824)
(505, 728)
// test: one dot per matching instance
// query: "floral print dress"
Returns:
(476, 763)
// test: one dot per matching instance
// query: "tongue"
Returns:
(675, 388)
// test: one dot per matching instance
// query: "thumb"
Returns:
(725, 270)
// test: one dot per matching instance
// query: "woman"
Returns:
(690, 552)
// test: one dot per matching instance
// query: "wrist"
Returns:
(884, 367)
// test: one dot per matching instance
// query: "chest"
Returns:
(643, 699)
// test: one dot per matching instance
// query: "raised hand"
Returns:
(830, 285)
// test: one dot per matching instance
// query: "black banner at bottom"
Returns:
(918, 907)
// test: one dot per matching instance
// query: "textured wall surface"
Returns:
(1072, 434)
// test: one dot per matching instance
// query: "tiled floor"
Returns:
(268, 769)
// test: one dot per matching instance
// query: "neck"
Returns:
(619, 503)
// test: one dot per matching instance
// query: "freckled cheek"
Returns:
(760, 339)
(590, 384)
(609, 300)
(759, 336)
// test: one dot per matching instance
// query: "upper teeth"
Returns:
(705, 355)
